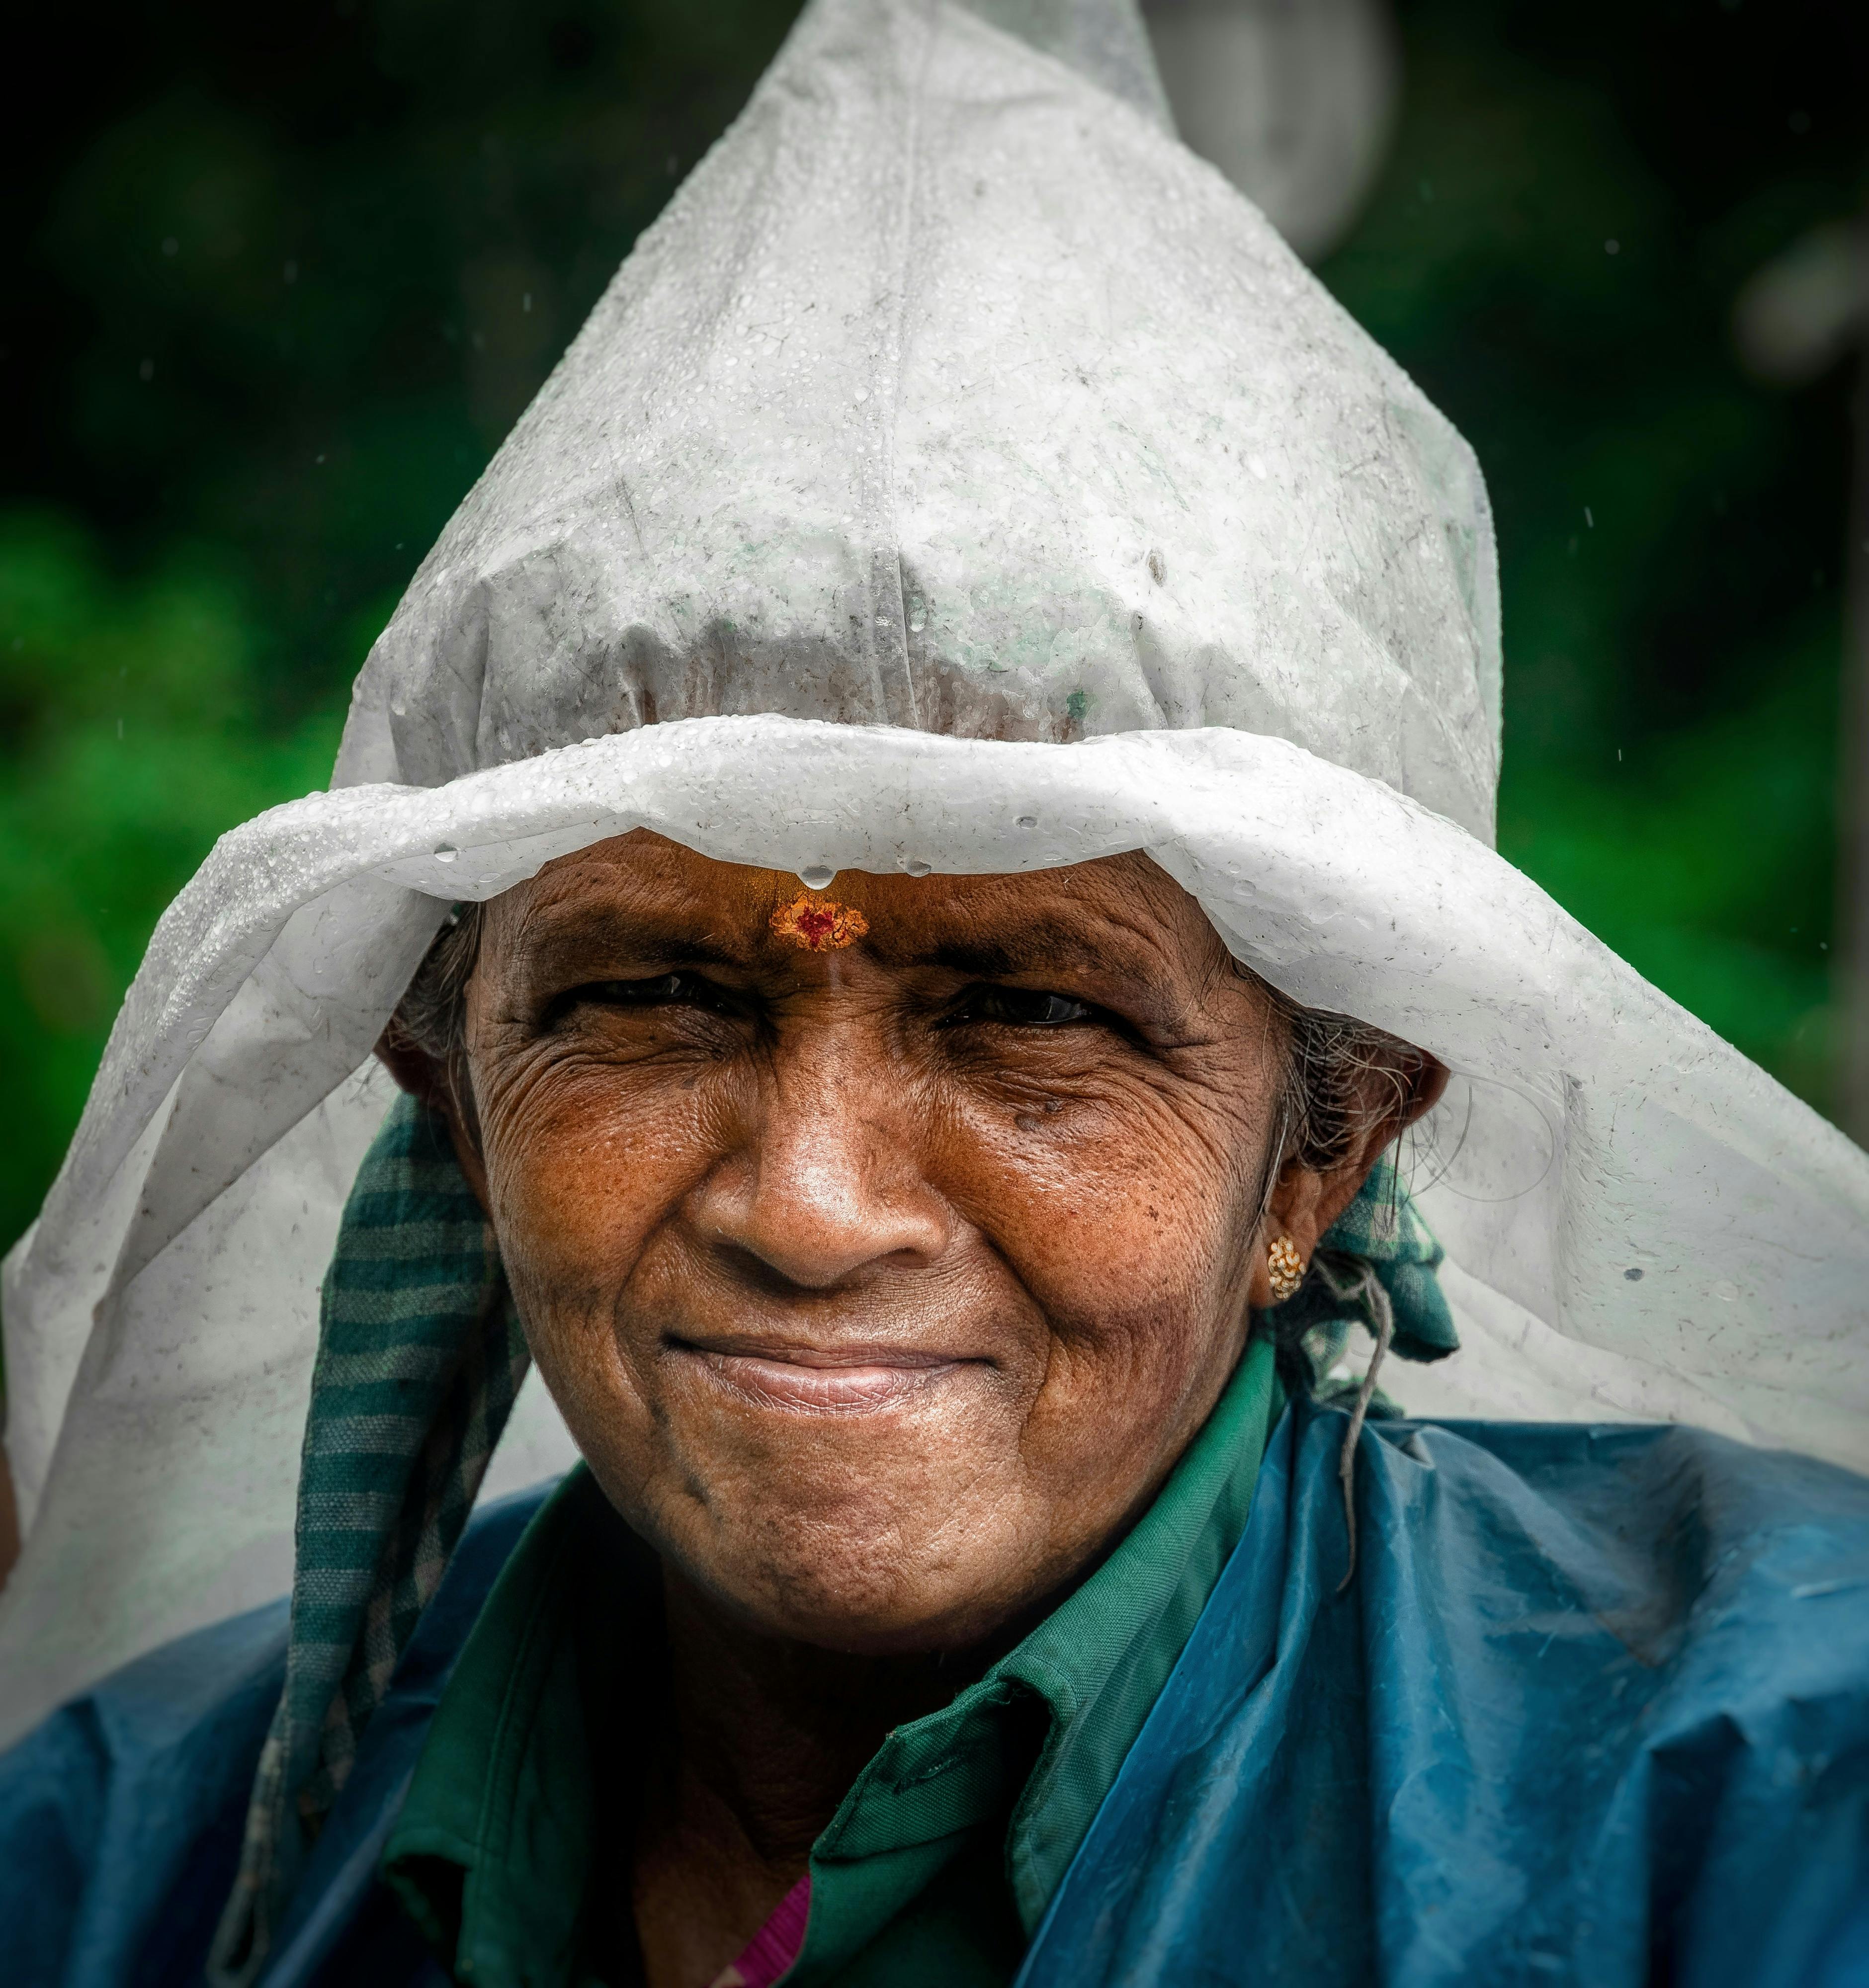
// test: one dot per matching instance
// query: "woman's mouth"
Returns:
(855, 1380)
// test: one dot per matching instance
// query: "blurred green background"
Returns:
(279, 282)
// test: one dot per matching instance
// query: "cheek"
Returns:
(1126, 1213)
(1127, 1216)
(582, 1170)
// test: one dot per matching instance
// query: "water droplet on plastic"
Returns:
(913, 866)
(1028, 821)
(817, 876)
(1634, 1277)
(445, 852)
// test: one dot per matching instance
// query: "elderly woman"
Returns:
(859, 850)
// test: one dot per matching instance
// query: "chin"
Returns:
(868, 1591)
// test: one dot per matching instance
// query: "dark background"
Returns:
(279, 279)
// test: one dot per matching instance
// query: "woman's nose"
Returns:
(826, 1180)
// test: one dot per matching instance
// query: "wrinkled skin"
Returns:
(881, 1287)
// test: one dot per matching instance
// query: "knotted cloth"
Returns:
(1381, 1235)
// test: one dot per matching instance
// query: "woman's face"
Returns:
(881, 1285)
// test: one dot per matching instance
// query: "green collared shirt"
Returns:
(942, 1859)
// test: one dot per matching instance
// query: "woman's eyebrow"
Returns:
(1044, 944)
(576, 942)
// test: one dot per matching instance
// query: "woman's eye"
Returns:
(666, 990)
(1021, 1007)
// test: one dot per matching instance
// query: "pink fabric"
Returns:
(776, 1945)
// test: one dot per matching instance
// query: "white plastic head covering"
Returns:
(960, 476)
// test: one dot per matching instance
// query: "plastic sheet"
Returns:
(1596, 1713)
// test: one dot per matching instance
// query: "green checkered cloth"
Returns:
(420, 1356)
(1382, 1231)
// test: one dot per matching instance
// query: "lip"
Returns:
(846, 1380)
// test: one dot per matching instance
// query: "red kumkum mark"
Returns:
(820, 924)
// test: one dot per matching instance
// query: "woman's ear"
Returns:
(443, 1086)
(415, 1070)
(1390, 1093)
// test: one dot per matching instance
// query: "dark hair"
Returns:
(431, 1015)
(1346, 1078)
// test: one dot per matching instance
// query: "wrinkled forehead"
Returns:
(643, 898)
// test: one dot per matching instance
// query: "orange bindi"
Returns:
(819, 925)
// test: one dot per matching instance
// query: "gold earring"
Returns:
(1285, 1267)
